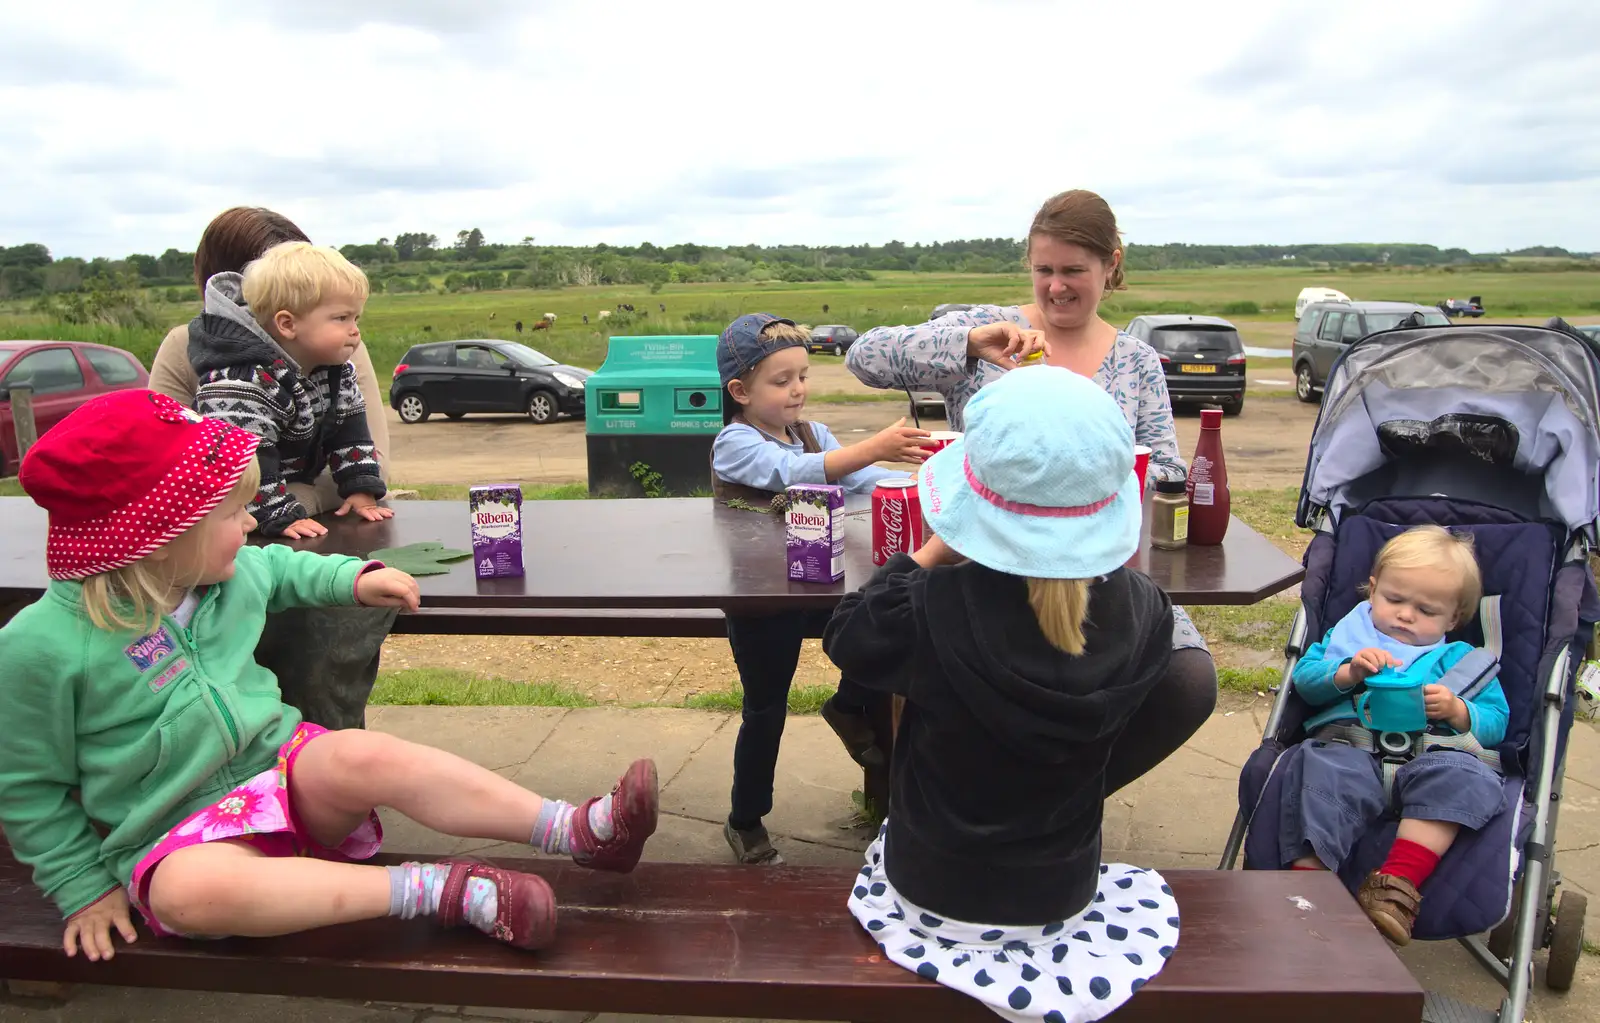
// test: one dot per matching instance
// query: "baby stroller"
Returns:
(1493, 431)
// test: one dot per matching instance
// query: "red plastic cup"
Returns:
(1141, 465)
(938, 440)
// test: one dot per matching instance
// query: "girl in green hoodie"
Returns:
(132, 702)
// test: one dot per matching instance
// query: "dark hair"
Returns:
(237, 236)
(1080, 217)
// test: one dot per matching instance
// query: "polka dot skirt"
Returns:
(1063, 972)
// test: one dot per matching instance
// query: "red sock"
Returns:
(1411, 861)
(1298, 867)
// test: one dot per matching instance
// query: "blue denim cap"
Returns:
(1041, 483)
(741, 346)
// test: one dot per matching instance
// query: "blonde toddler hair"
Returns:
(1062, 606)
(298, 277)
(134, 597)
(1436, 547)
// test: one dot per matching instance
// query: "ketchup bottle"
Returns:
(1209, 503)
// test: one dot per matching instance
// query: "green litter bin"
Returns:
(653, 410)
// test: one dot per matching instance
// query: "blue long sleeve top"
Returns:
(1313, 680)
(744, 454)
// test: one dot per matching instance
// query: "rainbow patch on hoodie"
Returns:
(148, 651)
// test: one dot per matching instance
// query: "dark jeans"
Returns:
(767, 650)
(326, 660)
(1175, 709)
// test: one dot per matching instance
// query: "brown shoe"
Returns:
(635, 811)
(526, 915)
(1391, 903)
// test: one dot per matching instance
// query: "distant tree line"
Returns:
(416, 261)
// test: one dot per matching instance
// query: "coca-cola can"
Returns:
(897, 525)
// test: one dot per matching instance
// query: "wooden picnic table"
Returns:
(658, 567)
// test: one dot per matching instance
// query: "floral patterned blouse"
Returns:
(933, 357)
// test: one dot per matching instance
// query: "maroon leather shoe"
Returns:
(635, 807)
(527, 913)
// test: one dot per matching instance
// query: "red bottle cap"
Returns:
(1210, 419)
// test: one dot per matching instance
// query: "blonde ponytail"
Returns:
(1062, 606)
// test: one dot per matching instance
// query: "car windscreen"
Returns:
(522, 355)
(1389, 321)
(1193, 339)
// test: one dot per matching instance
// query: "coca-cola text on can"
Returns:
(897, 526)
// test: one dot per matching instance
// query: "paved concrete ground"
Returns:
(1177, 817)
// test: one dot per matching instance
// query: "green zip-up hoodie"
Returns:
(149, 729)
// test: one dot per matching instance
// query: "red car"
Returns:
(63, 375)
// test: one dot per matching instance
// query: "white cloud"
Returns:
(126, 127)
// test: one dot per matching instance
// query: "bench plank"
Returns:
(719, 940)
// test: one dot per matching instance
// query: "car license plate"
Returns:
(1202, 367)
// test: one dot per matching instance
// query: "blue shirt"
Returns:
(1313, 680)
(744, 454)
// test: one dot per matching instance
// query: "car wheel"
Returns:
(838, 349)
(413, 409)
(542, 407)
(1233, 406)
(455, 415)
(1302, 383)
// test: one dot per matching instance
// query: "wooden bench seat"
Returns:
(692, 939)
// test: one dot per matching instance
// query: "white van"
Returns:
(1310, 295)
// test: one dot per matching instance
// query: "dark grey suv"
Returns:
(1202, 355)
(1328, 328)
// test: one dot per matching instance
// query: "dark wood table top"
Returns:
(682, 553)
(719, 940)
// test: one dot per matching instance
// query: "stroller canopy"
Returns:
(1507, 415)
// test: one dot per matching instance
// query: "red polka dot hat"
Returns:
(127, 473)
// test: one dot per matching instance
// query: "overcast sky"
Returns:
(124, 127)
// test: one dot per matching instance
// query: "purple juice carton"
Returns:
(814, 533)
(496, 530)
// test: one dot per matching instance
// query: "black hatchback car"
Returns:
(1203, 357)
(831, 337)
(454, 378)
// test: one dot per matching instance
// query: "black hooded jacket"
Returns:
(998, 777)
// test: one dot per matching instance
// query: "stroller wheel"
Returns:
(1566, 941)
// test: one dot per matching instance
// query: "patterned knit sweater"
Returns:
(305, 420)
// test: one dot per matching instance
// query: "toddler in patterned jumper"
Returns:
(132, 680)
(272, 353)
(1022, 645)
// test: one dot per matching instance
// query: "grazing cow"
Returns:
(551, 317)
(519, 326)
(491, 316)
(585, 319)
(541, 325)
(605, 314)
(663, 306)
(824, 307)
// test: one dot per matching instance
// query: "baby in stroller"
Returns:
(1400, 716)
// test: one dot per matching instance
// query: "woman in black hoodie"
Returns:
(1022, 646)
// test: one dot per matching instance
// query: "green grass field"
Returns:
(392, 323)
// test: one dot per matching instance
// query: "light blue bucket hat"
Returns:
(1042, 482)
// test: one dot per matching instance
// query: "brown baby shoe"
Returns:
(1391, 903)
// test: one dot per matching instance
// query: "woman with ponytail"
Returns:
(1023, 647)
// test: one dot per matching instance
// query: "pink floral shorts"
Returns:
(257, 812)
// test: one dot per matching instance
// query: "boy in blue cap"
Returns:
(764, 448)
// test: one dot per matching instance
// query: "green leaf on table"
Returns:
(428, 557)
